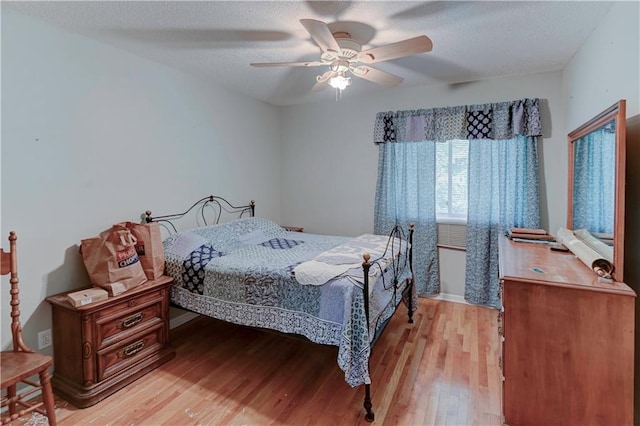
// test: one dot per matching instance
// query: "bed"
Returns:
(332, 290)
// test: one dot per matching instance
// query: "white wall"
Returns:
(92, 135)
(606, 68)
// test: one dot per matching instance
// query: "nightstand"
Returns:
(102, 347)
(293, 228)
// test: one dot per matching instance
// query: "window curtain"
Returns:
(594, 184)
(405, 193)
(507, 131)
(503, 193)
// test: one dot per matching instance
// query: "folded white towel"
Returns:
(346, 257)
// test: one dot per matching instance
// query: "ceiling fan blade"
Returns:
(321, 34)
(400, 49)
(288, 64)
(377, 76)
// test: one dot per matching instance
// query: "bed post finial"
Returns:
(252, 204)
(147, 216)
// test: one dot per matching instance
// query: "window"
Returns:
(452, 161)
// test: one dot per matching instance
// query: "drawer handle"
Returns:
(133, 348)
(132, 320)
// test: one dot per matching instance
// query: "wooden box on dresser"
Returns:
(567, 340)
(101, 347)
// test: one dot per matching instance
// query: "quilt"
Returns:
(244, 272)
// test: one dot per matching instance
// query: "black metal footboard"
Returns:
(366, 265)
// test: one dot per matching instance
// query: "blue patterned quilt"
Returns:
(243, 272)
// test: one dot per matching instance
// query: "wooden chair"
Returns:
(21, 363)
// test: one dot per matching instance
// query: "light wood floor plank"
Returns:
(441, 370)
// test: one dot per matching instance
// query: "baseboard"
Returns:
(447, 297)
(181, 319)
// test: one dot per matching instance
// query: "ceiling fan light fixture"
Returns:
(339, 81)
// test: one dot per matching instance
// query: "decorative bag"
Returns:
(149, 247)
(112, 261)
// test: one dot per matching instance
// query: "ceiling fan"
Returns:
(344, 55)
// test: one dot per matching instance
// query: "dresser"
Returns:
(567, 340)
(632, 235)
(101, 347)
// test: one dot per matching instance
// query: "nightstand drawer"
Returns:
(117, 358)
(127, 303)
(123, 322)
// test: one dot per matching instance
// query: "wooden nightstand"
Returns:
(102, 347)
(293, 228)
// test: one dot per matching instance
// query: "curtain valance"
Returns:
(503, 120)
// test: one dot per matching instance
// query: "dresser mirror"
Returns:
(596, 180)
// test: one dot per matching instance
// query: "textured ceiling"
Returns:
(217, 40)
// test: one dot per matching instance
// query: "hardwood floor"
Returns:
(441, 370)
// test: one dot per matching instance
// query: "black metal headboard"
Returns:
(217, 204)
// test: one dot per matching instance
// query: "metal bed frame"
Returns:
(217, 205)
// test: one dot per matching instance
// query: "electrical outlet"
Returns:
(44, 339)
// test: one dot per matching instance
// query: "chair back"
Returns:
(9, 265)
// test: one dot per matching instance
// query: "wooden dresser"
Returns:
(567, 340)
(632, 235)
(101, 347)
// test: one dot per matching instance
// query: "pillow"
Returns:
(228, 236)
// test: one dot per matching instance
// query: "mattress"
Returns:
(244, 272)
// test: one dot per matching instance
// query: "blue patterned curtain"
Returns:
(503, 193)
(594, 183)
(503, 182)
(405, 193)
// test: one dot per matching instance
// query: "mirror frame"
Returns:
(615, 112)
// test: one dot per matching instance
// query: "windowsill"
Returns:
(449, 247)
(451, 220)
